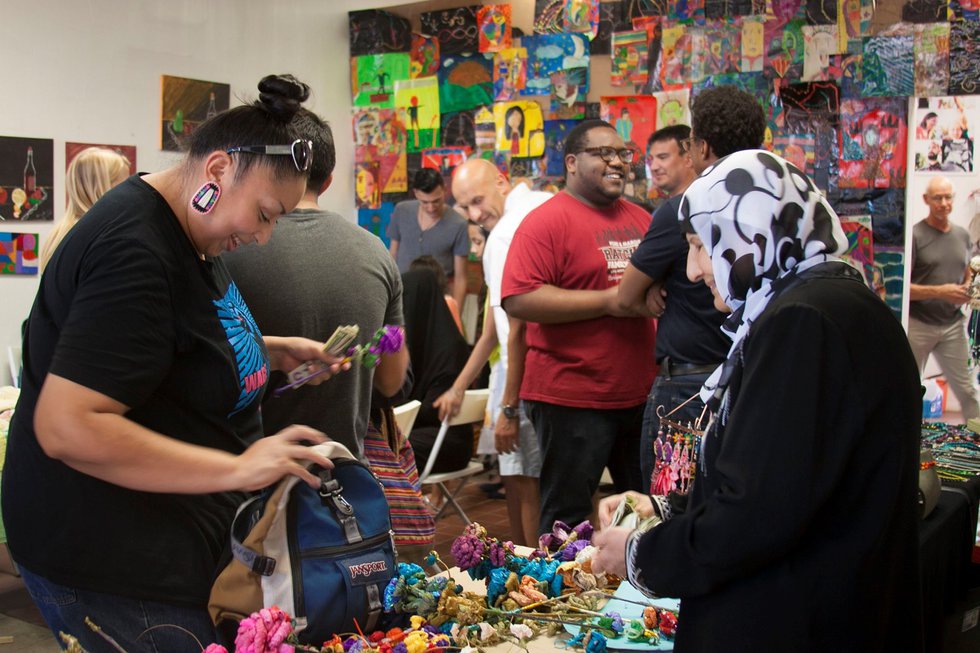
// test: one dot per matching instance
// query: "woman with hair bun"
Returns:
(90, 175)
(138, 431)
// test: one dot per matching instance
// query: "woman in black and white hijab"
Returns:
(801, 528)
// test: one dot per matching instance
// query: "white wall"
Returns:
(89, 71)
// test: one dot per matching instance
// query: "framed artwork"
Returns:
(423, 57)
(420, 100)
(26, 178)
(520, 128)
(379, 136)
(185, 104)
(874, 132)
(944, 134)
(465, 82)
(376, 220)
(18, 253)
(455, 29)
(373, 78)
(493, 22)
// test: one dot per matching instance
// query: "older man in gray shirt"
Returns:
(938, 289)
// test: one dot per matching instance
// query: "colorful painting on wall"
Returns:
(724, 47)
(493, 22)
(373, 78)
(820, 61)
(456, 29)
(931, 52)
(128, 151)
(555, 132)
(629, 59)
(549, 53)
(753, 45)
(943, 134)
(420, 100)
(520, 128)
(377, 220)
(485, 133)
(673, 107)
(798, 149)
(964, 57)
(610, 20)
(26, 178)
(634, 117)
(445, 160)
(458, 129)
(568, 92)
(860, 248)
(874, 133)
(465, 82)
(888, 66)
(581, 16)
(784, 50)
(18, 253)
(185, 104)
(379, 136)
(424, 56)
(367, 184)
(509, 74)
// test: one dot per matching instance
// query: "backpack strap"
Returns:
(331, 495)
(259, 564)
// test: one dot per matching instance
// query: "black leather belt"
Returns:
(669, 368)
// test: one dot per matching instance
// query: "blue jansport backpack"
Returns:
(324, 556)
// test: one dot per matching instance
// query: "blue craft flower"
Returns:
(399, 648)
(389, 597)
(496, 584)
(597, 643)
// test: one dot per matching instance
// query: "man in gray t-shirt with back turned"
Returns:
(319, 271)
(938, 290)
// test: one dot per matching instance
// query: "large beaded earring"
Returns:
(206, 197)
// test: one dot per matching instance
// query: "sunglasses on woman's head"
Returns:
(301, 151)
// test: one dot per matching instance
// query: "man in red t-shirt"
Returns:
(589, 364)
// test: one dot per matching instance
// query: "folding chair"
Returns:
(470, 412)
(405, 415)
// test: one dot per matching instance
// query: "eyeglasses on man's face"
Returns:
(301, 151)
(942, 197)
(607, 154)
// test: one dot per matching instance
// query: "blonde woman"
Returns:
(90, 175)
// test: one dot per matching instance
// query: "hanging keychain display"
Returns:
(675, 453)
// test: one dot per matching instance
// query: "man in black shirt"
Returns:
(690, 344)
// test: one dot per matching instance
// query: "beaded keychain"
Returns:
(675, 453)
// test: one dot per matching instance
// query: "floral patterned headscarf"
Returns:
(762, 221)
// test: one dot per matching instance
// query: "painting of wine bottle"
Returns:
(26, 178)
(185, 104)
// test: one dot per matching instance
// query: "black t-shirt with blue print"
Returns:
(127, 309)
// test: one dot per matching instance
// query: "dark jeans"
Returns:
(124, 619)
(576, 444)
(670, 393)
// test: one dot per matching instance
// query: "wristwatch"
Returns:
(510, 412)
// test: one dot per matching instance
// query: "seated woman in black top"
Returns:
(438, 354)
